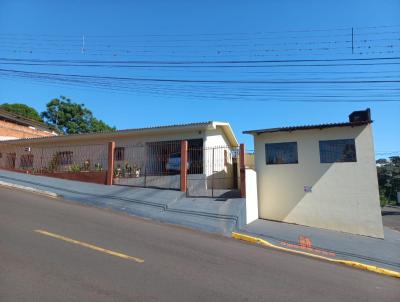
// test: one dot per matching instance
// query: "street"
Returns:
(55, 250)
(391, 217)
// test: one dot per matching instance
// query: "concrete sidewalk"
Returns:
(169, 206)
(337, 245)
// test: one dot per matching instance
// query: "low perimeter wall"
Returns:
(99, 177)
(251, 196)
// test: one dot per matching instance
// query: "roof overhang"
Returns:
(306, 127)
(227, 129)
(139, 132)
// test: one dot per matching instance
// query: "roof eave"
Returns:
(129, 132)
(303, 128)
(226, 127)
(18, 119)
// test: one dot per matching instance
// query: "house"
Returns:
(148, 157)
(14, 126)
(320, 175)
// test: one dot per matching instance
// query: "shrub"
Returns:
(75, 168)
(383, 200)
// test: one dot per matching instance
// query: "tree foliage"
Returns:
(72, 118)
(389, 179)
(22, 110)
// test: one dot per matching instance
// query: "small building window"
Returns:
(119, 153)
(65, 157)
(281, 153)
(26, 161)
(340, 150)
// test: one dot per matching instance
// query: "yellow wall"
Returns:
(344, 196)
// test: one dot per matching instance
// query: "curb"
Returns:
(355, 264)
(29, 189)
(162, 206)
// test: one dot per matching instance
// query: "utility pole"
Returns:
(83, 44)
(352, 40)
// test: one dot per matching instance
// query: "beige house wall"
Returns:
(344, 196)
(218, 161)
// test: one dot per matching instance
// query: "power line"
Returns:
(207, 62)
(198, 66)
(359, 30)
(202, 81)
(194, 85)
(212, 97)
(169, 91)
(207, 50)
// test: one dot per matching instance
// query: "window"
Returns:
(65, 157)
(281, 153)
(26, 161)
(119, 153)
(340, 150)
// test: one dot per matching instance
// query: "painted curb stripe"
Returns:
(29, 189)
(89, 246)
(355, 264)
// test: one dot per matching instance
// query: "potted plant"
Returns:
(136, 171)
(98, 167)
(86, 165)
(117, 171)
(127, 170)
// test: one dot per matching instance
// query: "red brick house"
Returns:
(14, 126)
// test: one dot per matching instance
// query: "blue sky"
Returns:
(37, 24)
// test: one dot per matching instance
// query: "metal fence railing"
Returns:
(53, 159)
(153, 164)
(211, 172)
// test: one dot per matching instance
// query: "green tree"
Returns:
(22, 110)
(389, 179)
(72, 118)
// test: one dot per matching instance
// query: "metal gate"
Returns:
(213, 172)
(152, 164)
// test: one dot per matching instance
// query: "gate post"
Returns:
(242, 172)
(110, 170)
(184, 165)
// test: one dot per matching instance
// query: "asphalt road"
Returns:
(179, 264)
(391, 217)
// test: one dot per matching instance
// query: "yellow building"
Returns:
(320, 175)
